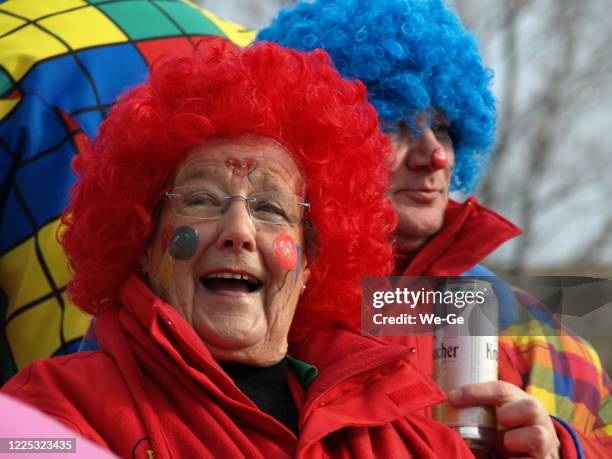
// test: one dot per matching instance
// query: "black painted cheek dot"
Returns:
(184, 243)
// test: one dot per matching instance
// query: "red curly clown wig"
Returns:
(295, 98)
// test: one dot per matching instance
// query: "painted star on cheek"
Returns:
(184, 243)
(285, 252)
(164, 276)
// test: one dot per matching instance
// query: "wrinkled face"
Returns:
(419, 183)
(235, 280)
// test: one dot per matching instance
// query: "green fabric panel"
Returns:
(542, 377)
(565, 408)
(140, 19)
(5, 82)
(605, 410)
(190, 23)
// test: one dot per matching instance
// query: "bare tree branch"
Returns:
(543, 141)
(593, 251)
(511, 11)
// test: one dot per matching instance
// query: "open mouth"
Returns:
(231, 282)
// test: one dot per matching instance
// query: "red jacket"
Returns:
(471, 232)
(153, 387)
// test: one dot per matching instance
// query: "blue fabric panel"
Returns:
(90, 122)
(44, 184)
(18, 229)
(128, 69)
(31, 128)
(63, 83)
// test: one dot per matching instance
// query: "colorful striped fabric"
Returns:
(62, 64)
(560, 369)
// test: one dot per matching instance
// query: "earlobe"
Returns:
(305, 275)
(143, 262)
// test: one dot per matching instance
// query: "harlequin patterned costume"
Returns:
(62, 64)
(560, 369)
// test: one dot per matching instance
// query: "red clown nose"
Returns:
(439, 158)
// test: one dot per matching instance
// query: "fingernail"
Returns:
(454, 395)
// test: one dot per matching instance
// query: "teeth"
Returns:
(231, 276)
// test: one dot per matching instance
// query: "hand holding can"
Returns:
(465, 354)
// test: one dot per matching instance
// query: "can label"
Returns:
(460, 360)
(467, 354)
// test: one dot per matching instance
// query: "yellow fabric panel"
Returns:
(23, 279)
(527, 341)
(25, 47)
(592, 354)
(54, 254)
(34, 9)
(547, 399)
(77, 28)
(76, 321)
(523, 342)
(34, 332)
(233, 31)
(8, 23)
(6, 105)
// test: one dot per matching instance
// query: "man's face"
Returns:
(419, 185)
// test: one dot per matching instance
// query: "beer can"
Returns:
(467, 353)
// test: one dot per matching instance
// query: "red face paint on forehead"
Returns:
(241, 167)
(285, 252)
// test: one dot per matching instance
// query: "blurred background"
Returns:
(552, 163)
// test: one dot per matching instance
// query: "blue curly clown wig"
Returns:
(414, 56)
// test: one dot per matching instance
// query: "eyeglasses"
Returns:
(271, 207)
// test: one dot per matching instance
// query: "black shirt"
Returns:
(268, 388)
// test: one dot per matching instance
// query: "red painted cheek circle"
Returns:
(285, 252)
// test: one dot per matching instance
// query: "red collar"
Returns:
(471, 232)
(349, 364)
(144, 313)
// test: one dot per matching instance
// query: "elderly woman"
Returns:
(212, 223)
